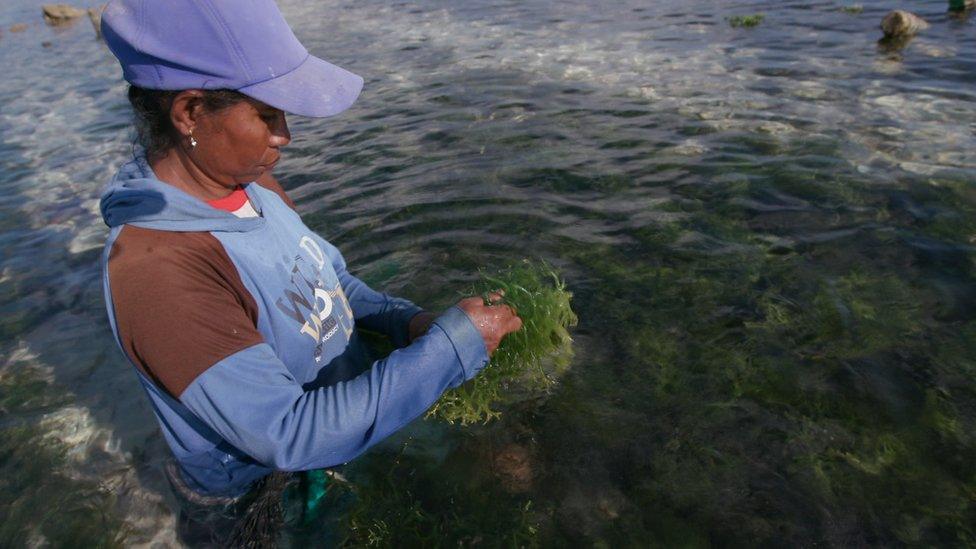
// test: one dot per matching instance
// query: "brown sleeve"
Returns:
(269, 182)
(180, 305)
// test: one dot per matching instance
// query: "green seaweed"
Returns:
(747, 21)
(527, 360)
(766, 387)
(853, 9)
(402, 500)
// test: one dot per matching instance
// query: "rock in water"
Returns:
(961, 5)
(514, 469)
(902, 24)
(59, 14)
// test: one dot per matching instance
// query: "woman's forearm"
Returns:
(252, 401)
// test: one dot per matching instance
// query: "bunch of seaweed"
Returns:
(527, 360)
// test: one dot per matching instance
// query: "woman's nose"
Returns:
(280, 136)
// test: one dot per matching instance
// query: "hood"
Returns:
(136, 197)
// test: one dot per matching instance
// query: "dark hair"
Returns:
(154, 131)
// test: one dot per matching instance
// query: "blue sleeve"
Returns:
(254, 403)
(373, 310)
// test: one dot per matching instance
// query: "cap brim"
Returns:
(315, 88)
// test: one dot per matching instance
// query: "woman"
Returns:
(239, 319)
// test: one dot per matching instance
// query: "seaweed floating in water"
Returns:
(746, 20)
(526, 360)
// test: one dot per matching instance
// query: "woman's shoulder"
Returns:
(140, 255)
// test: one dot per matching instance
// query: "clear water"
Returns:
(769, 233)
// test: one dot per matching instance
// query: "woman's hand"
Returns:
(493, 321)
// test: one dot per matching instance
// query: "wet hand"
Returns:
(493, 321)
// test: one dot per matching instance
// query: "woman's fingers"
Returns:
(508, 318)
(492, 321)
(515, 324)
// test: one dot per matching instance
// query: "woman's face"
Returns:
(238, 144)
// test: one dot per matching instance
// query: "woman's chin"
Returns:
(252, 175)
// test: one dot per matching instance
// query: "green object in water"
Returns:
(854, 9)
(746, 20)
(315, 491)
(957, 5)
(527, 359)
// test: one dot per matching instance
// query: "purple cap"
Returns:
(242, 45)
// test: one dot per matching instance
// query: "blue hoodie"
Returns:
(243, 332)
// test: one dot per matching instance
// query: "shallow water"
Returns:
(769, 233)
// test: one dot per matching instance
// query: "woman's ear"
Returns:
(185, 111)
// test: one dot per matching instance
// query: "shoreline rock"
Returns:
(60, 14)
(901, 24)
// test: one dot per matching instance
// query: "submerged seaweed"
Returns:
(527, 360)
(398, 497)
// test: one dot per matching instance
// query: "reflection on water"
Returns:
(769, 233)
